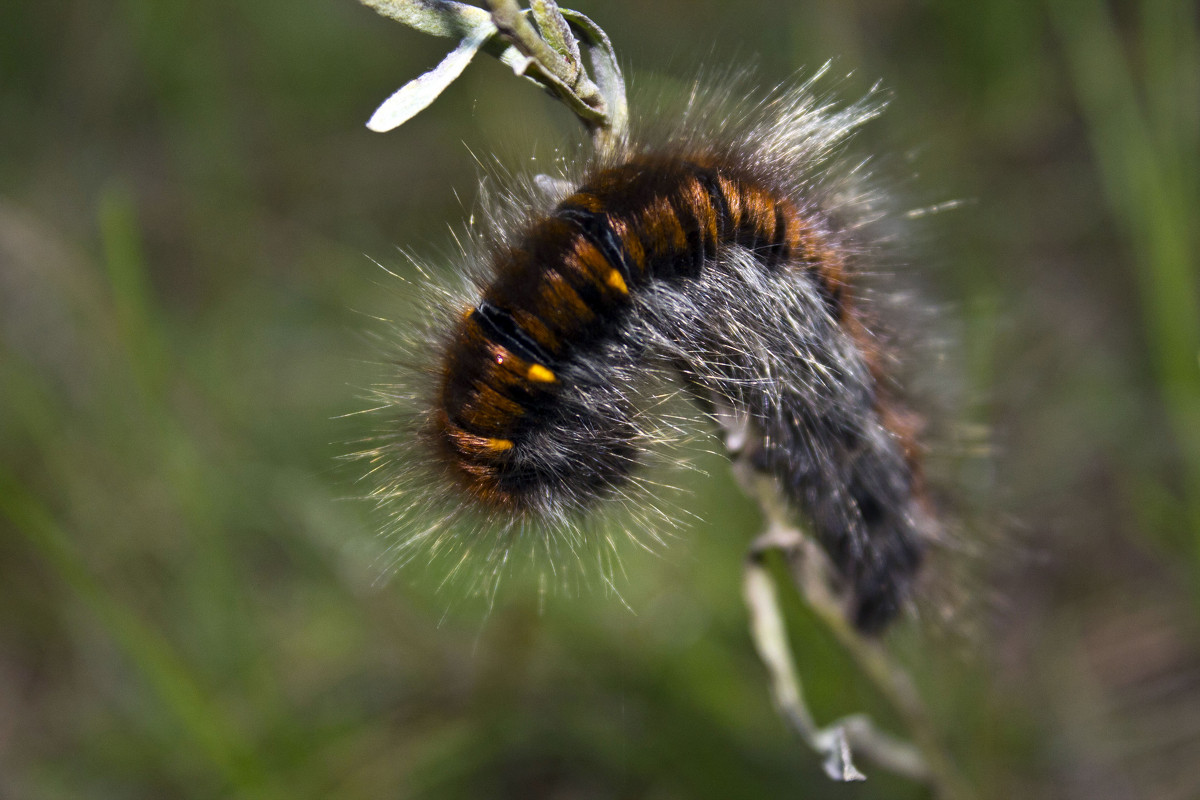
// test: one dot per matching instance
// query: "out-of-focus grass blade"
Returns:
(199, 715)
(219, 617)
(1147, 157)
(132, 295)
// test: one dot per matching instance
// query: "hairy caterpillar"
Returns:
(721, 251)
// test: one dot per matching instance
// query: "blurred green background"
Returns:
(189, 206)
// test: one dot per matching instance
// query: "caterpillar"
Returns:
(720, 251)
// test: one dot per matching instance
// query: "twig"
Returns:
(845, 737)
(548, 66)
(925, 758)
(549, 55)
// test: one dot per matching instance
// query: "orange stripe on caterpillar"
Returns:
(728, 261)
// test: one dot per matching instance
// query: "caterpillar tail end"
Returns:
(882, 587)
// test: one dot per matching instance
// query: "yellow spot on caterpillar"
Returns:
(498, 445)
(615, 280)
(540, 374)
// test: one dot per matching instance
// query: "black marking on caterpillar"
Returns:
(721, 253)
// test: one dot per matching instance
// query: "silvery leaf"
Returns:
(420, 92)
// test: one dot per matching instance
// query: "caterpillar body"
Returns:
(726, 255)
